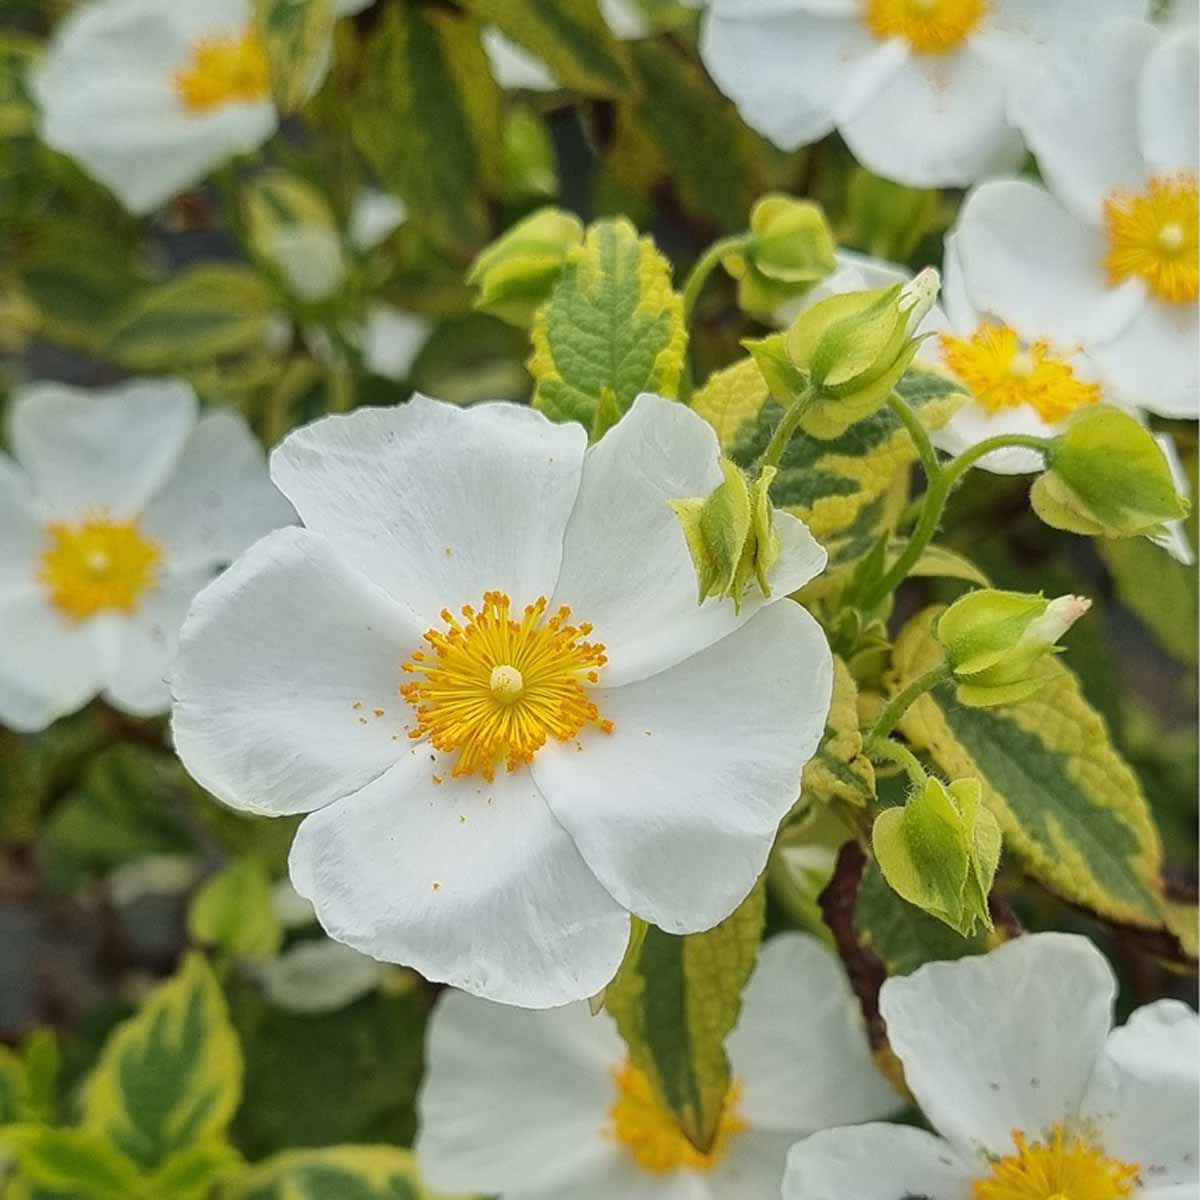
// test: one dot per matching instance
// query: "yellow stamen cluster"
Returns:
(1001, 375)
(1063, 1167)
(225, 70)
(495, 688)
(97, 565)
(651, 1134)
(1153, 235)
(928, 26)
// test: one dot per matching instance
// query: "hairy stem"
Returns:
(902, 702)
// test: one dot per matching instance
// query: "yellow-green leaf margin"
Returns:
(1068, 805)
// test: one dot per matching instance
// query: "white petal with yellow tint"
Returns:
(286, 682)
(21, 533)
(469, 882)
(1168, 113)
(1152, 364)
(677, 808)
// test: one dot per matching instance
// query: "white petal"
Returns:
(1152, 363)
(609, 1172)
(676, 809)
(1077, 117)
(106, 449)
(347, 8)
(626, 566)
(376, 215)
(973, 424)
(1002, 1041)
(471, 883)
(514, 67)
(1175, 539)
(319, 976)
(800, 1076)
(1168, 117)
(49, 666)
(21, 530)
(439, 504)
(875, 1162)
(625, 19)
(1181, 15)
(219, 498)
(1145, 1095)
(752, 1166)
(1031, 264)
(937, 122)
(392, 339)
(144, 644)
(784, 70)
(511, 1097)
(284, 662)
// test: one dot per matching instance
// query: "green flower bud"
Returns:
(516, 273)
(1107, 477)
(530, 162)
(790, 247)
(994, 641)
(940, 852)
(731, 535)
(855, 347)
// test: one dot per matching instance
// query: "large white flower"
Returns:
(119, 508)
(150, 95)
(1106, 259)
(490, 791)
(1012, 1060)
(537, 1106)
(918, 88)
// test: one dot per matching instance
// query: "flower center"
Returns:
(928, 26)
(1153, 235)
(651, 1134)
(224, 70)
(1061, 1168)
(1002, 374)
(97, 564)
(495, 689)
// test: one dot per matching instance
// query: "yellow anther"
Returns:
(928, 26)
(225, 70)
(1063, 1167)
(1152, 235)
(97, 565)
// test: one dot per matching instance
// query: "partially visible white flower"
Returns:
(1174, 539)
(293, 911)
(540, 1104)
(153, 875)
(149, 96)
(1107, 259)
(513, 67)
(309, 257)
(347, 8)
(119, 508)
(391, 339)
(319, 976)
(375, 216)
(918, 88)
(625, 18)
(502, 847)
(1012, 1060)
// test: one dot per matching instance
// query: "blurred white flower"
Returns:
(391, 339)
(1012, 1060)
(375, 216)
(319, 976)
(917, 88)
(1107, 259)
(150, 95)
(646, 776)
(119, 508)
(347, 8)
(547, 1104)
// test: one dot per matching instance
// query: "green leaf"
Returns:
(235, 910)
(334, 1173)
(839, 772)
(428, 119)
(74, 1162)
(193, 1173)
(298, 36)
(203, 313)
(170, 1077)
(613, 321)
(1168, 609)
(1068, 805)
(14, 1089)
(846, 489)
(573, 40)
(676, 1000)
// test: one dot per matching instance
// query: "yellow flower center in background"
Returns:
(225, 70)
(928, 26)
(496, 689)
(651, 1134)
(1153, 235)
(1062, 1168)
(1002, 375)
(97, 565)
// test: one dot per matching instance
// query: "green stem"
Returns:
(889, 748)
(704, 267)
(902, 701)
(786, 428)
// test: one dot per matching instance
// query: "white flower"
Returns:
(376, 215)
(1012, 1060)
(918, 88)
(319, 976)
(540, 1105)
(1107, 259)
(647, 777)
(119, 508)
(150, 95)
